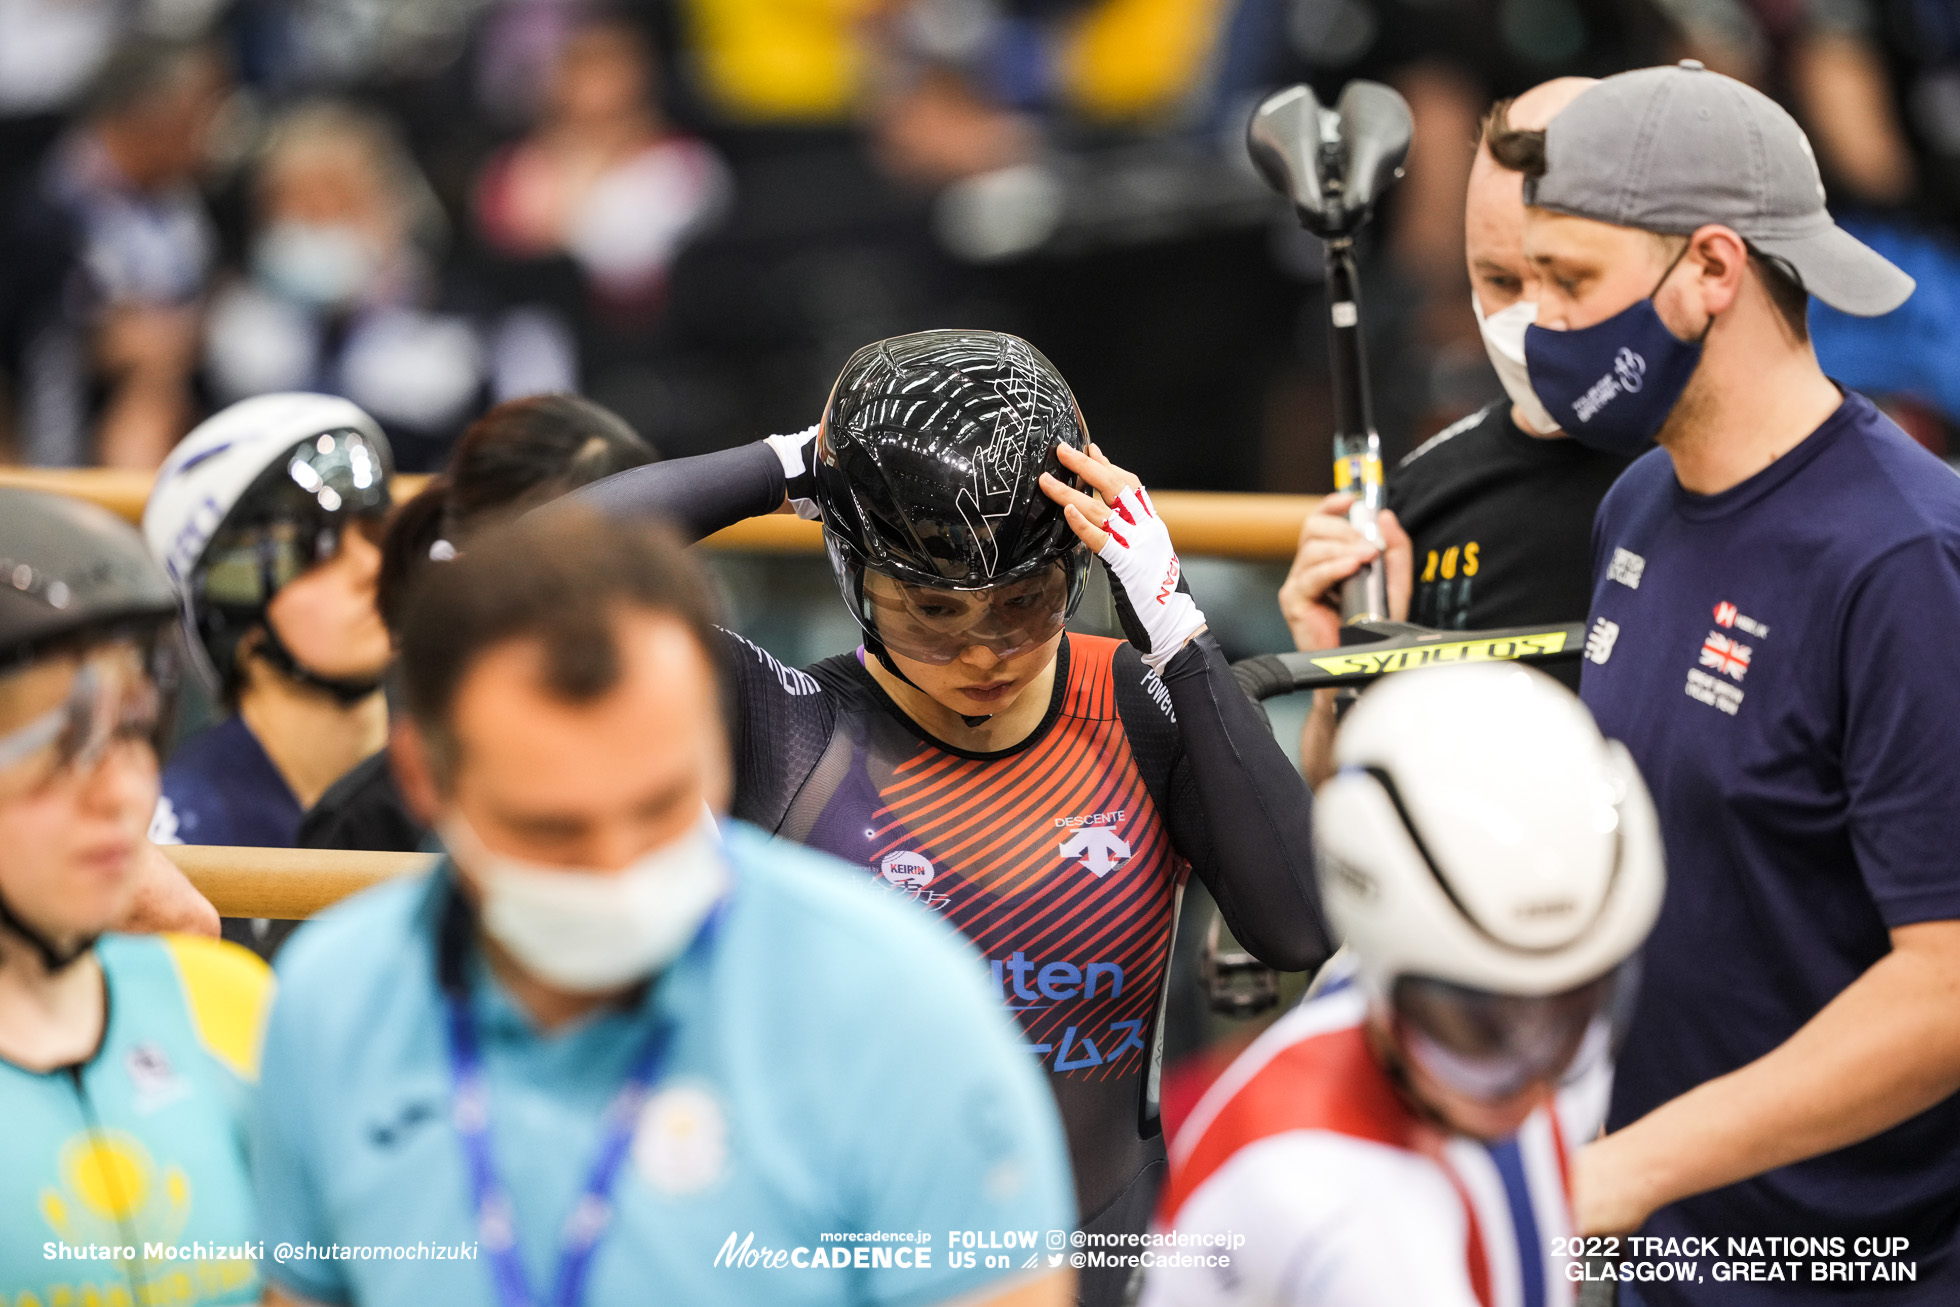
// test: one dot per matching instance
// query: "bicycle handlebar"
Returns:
(1401, 647)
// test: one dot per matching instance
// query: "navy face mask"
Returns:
(1612, 385)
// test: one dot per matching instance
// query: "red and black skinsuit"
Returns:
(1062, 859)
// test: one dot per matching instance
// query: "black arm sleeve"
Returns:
(783, 721)
(698, 495)
(1249, 833)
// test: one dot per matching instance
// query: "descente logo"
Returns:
(1628, 374)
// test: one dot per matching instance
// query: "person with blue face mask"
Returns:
(617, 1048)
(1489, 520)
(1776, 593)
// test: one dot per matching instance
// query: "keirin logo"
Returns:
(909, 873)
(906, 869)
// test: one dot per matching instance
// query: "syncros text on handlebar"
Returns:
(1400, 647)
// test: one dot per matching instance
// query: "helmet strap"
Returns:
(876, 648)
(346, 691)
(53, 959)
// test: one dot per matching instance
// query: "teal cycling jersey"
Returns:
(123, 1179)
(844, 1115)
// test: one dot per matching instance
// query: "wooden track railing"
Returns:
(296, 883)
(285, 883)
(1252, 528)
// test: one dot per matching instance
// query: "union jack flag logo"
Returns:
(1725, 654)
(1725, 614)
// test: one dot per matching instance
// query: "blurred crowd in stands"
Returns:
(692, 210)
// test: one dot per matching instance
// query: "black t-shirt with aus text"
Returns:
(1501, 521)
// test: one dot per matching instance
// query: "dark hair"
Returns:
(1519, 149)
(1786, 291)
(560, 578)
(522, 453)
(141, 71)
(1524, 151)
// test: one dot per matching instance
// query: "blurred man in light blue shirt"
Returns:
(614, 1051)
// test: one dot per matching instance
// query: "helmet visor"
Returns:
(293, 517)
(930, 624)
(116, 690)
(1492, 1047)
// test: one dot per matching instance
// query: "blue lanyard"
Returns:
(592, 1214)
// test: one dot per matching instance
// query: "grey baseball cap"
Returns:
(1672, 149)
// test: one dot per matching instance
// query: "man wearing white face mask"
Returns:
(616, 1049)
(1490, 520)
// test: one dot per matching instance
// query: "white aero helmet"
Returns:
(1487, 856)
(248, 501)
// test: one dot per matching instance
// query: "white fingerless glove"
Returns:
(798, 453)
(1152, 601)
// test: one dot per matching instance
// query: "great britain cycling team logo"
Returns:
(1727, 660)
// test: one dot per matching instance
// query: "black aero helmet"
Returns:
(929, 466)
(69, 570)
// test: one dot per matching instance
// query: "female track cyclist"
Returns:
(1046, 792)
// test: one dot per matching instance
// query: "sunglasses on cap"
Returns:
(929, 624)
(1492, 1047)
(117, 692)
(294, 516)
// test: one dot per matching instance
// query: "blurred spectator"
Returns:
(518, 455)
(798, 64)
(300, 46)
(51, 51)
(108, 255)
(1905, 357)
(345, 292)
(1921, 48)
(124, 1062)
(1877, 88)
(1073, 179)
(265, 519)
(607, 968)
(1824, 60)
(602, 178)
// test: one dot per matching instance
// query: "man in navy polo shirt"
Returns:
(617, 1052)
(1775, 607)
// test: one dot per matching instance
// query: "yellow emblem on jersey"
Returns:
(108, 1180)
